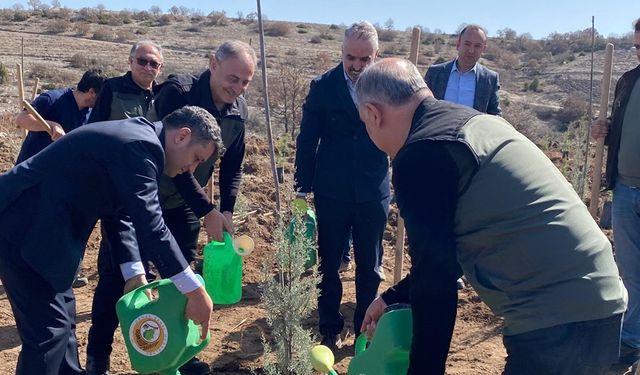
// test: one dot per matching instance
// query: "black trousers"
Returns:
(45, 319)
(185, 227)
(336, 220)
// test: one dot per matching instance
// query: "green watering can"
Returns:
(158, 336)
(388, 351)
(309, 217)
(222, 268)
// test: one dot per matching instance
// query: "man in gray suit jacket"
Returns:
(465, 81)
(49, 206)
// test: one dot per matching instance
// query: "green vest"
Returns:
(525, 240)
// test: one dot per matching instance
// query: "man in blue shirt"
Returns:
(64, 110)
(465, 81)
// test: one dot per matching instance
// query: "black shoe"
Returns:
(97, 366)
(80, 282)
(332, 342)
(194, 367)
(628, 354)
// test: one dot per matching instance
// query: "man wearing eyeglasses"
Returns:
(126, 96)
(131, 95)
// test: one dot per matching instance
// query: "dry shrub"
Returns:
(10, 141)
(82, 62)
(166, 19)
(115, 21)
(82, 29)
(51, 75)
(103, 33)
(278, 28)
(572, 109)
(58, 26)
(387, 35)
(4, 74)
(20, 16)
(492, 53)
(524, 120)
(193, 29)
(216, 18)
(323, 62)
(327, 35)
(316, 39)
(125, 35)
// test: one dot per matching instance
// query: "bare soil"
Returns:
(236, 346)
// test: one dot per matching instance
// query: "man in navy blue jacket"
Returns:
(338, 162)
(48, 208)
(64, 110)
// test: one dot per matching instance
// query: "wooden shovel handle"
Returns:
(34, 113)
(35, 89)
(602, 115)
(20, 83)
(399, 250)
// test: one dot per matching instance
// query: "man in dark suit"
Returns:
(48, 208)
(219, 91)
(338, 162)
(464, 80)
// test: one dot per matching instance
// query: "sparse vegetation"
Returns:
(573, 108)
(103, 33)
(278, 28)
(316, 39)
(217, 19)
(81, 61)
(544, 89)
(58, 26)
(4, 74)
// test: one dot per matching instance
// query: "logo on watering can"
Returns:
(148, 334)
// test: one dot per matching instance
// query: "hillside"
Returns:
(60, 44)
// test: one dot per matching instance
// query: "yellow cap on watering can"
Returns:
(322, 359)
(243, 245)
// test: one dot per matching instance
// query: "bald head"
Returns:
(390, 81)
(389, 92)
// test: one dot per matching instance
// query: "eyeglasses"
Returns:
(145, 62)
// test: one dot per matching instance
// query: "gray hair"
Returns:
(362, 30)
(390, 81)
(204, 127)
(141, 43)
(235, 48)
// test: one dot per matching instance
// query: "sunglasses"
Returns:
(145, 62)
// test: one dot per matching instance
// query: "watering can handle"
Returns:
(361, 343)
(141, 289)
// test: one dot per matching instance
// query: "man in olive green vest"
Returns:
(479, 198)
